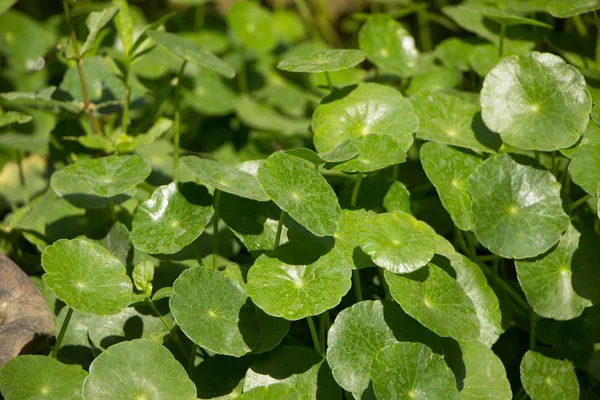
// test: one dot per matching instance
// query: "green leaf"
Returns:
(124, 25)
(214, 312)
(95, 22)
(517, 209)
(190, 51)
(14, 117)
(397, 241)
(253, 25)
(479, 372)
(104, 177)
(102, 83)
(397, 198)
(546, 378)
(116, 240)
(40, 377)
(449, 171)
(343, 152)
(432, 297)
(571, 8)
(411, 370)
(560, 283)
(453, 118)
(143, 274)
(584, 167)
(323, 61)
(225, 177)
(221, 377)
(356, 111)
(264, 118)
(278, 391)
(302, 192)
(6, 4)
(172, 218)
(125, 143)
(524, 98)
(388, 45)
(24, 142)
(296, 366)
(454, 52)
(376, 152)
(360, 332)
(139, 369)
(471, 278)
(283, 287)
(503, 17)
(211, 96)
(86, 277)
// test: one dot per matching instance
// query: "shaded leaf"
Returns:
(545, 378)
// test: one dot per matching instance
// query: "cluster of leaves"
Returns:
(411, 218)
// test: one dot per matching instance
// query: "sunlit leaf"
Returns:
(95, 22)
(325, 60)
(546, 378)
(584, 167)
(376, 152)
(571, 8)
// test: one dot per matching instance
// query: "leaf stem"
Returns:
(309, 21)
(354, 197)
(329, 83)
(87, 105)
(324, 325)
(111, 209)
(424, 30)
(597, 21)
(125, 117)
(171, 329)
(313, 333)
(61, 334)
(191, 361)
(384, 284)
(177, 133)
(24, 192)
(579, 202)
(395, 172)
(356, 284)
(501, 44)
(279, 228)
(324, 24)
(216, 201)
(532, 325)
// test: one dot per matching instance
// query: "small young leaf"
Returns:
(407, 370)
(124, 25)
(40, 377)
(546, 378)
(302, 192)
(95, 22)
(517, 209)
(323, 61)
(155, 374)
(86, 277)
(343, 152)
(253, 25)
(524, 98)
(143, 274)
(376, 152)
(14, 117)
(572, 8)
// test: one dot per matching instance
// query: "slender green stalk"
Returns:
(313, 333)
(279, 228)
(579, 202)
(242, 79)
(324, 24)
(501, 44)
(191, 361)
(216, 201)
(395, 172)
(309, 22)
(532, 325)
(488, 257)
(61, 334)
(357, 286)
(24, 192)
(324, 325)
(579, 26)
(170, 328)
(329, 83)
(424, 30)
(177, 132)
(384, 284)
(200, 16)
(597, 21)
(127, 100)
(87, 105)
(354, 197)
(111, 209)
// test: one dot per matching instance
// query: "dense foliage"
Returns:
(386, 199)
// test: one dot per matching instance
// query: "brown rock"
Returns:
(25, 319)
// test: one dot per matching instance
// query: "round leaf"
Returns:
(397, 241)
(214, 312)
(40, 377)
(302, 192)
(436, 300)
(343, 152)
(449, 171)
(253, 25)
(411, 370)
(560, 284)
(453, 118)
(571, 8)
(325, 60)
(585, 167)
(295, 291)
(360, 331)
(277, 391)
(388, 45)
(517, 209)
(104, 177)
(190, 51)
(225, 177)
(503, 17)
(357, 111)
(139, 369)
(86, 277)
(172, 218)
(454, 52)
(536, 102)
(376, 152)
(546, 378)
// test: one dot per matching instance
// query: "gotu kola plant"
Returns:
(239, 203)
